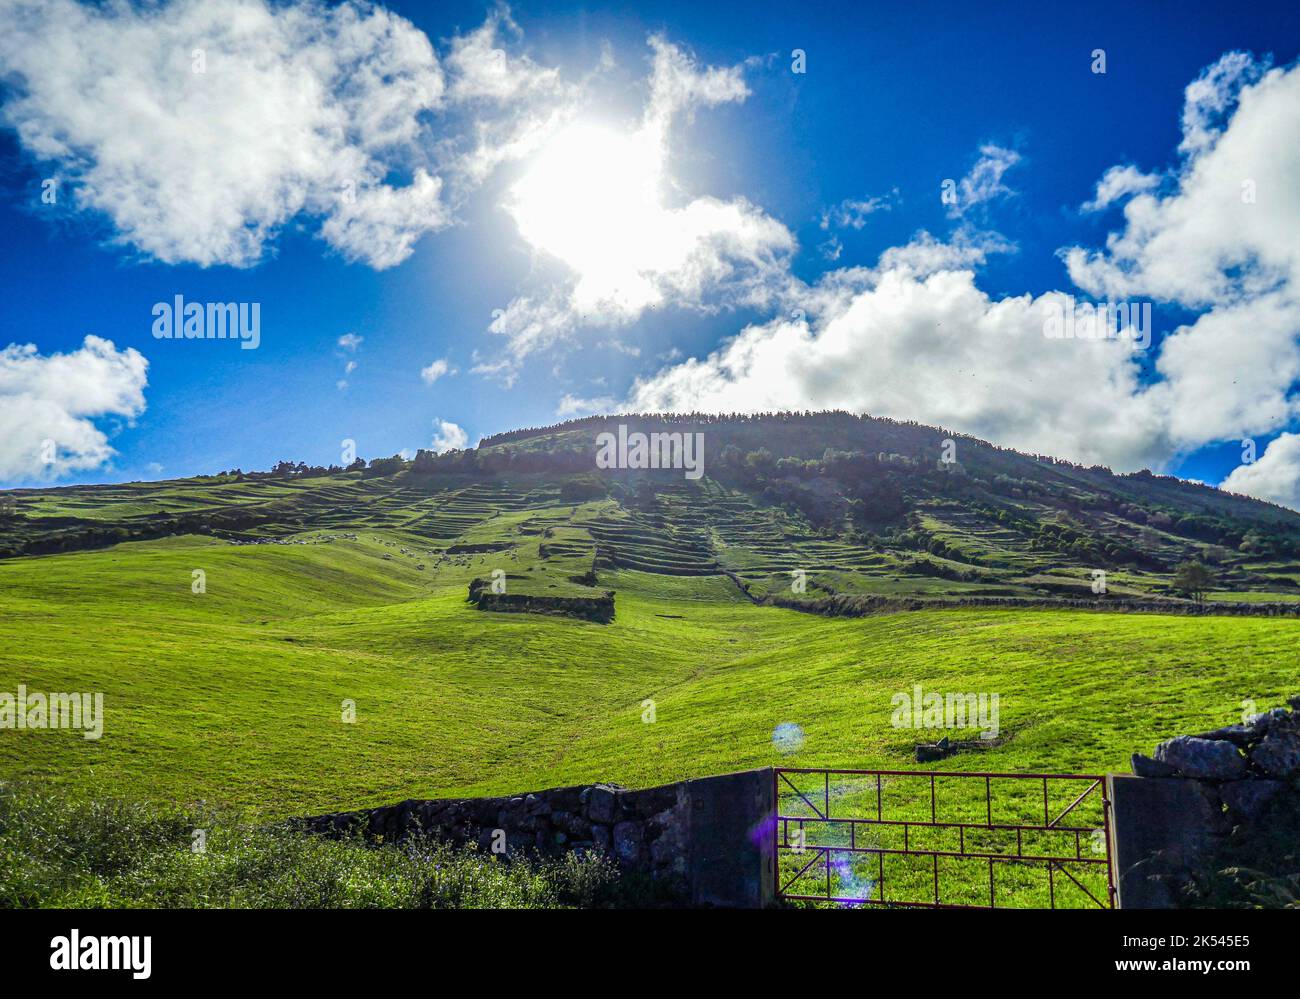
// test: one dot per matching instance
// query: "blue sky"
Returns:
(792, 186)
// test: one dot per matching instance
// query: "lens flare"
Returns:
(787, 738)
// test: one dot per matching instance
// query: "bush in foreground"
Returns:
(63, 852)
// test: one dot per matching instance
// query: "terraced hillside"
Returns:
(815, 504)
(328, 592)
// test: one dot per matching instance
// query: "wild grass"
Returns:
(64, 851)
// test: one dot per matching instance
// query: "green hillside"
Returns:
(323, 587)
(857, 505)
(235, 695)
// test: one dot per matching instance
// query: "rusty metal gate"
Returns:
(942, 839)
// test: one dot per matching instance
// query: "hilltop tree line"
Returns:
(865, 481)
(775, 468)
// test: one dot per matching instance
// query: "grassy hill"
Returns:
(236, 694)
(324, 587)
(858, 505)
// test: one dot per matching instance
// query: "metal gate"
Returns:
(942, 839)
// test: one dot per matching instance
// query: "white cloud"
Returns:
(1207, 243)
(1224, 242)
(595, 200)
(1118, 183)
(933, 348)
(915, 338)
(507, 103)
(436, 370)
(349, 343)
(1209, 97)
(984, 182)
(831, 248)
(300, 109)
(482, 70)
(1230, 373)
(852, 213)
(925, 254)
(380, 224)
(1275, 476)
(447, 436)
(572, 405)
(49, 405)
(679, 85)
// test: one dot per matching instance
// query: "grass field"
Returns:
(236, 695)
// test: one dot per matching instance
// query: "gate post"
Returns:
(1161, 826)
(732, 826)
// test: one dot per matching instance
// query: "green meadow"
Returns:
(238, 695)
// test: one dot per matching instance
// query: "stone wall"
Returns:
(701, 842)
(1181, 806)
(867, 604)
(598, 608)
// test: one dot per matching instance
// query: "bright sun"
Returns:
(592, 199)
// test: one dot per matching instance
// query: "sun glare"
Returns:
(592, 198)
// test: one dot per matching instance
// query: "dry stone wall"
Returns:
(599, 607)
(1188, 798)
(700, 842)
